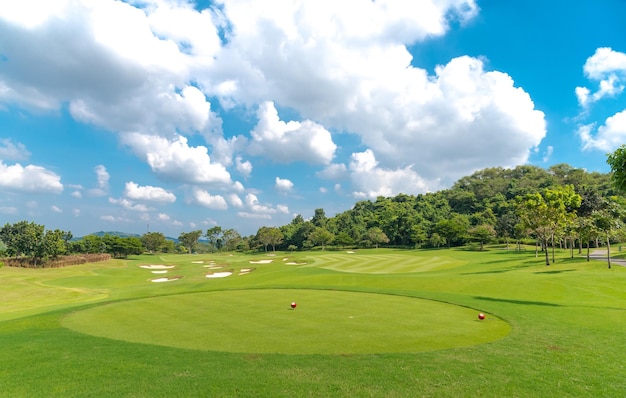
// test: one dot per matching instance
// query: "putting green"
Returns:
(262, 321)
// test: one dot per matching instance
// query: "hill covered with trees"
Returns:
(561, 205)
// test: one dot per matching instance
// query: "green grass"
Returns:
(376, 323)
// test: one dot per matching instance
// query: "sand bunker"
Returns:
(157, 266)
(294, 263)
(213, 266)
(350, 252)
(245, 271)
(197, 262)
(261, 261)
(222, 274)
(171, 278)
(159, 272)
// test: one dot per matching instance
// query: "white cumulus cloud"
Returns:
(205, 199)
(148, 193)
(29, 178)
(283, 184)
(287, 142)
(607, 137)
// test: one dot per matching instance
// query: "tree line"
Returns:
(560, 206)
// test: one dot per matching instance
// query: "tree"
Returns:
(617, 161)
(343, 239)
(153, 241)
(319, 218)
(377, 236)
(231, 240)
(321, 236)
(214, 237)
(269, 236)
(482, 233)
(454, 229)
(190, 239)
(607, 220)
(546, 212)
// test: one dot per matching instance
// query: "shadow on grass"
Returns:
(522, 302)
(554, 272)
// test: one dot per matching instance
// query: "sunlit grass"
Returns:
(565, 339)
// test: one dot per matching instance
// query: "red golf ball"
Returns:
(293, 304)
(481, 316)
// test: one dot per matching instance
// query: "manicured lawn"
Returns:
(386, 323)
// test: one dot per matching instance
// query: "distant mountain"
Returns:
(115, 233)
(125, 235)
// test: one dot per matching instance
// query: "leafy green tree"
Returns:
(269, 236)
(319, 218)
(231, 240)
(214, 238)
(482, 233)
(376, 236)
(546, 212)
(153, 241)
(190, 239)
(436, 240)
(343, 239)
(608, 220)
(617, 161)
(454, 229)
(321, 236)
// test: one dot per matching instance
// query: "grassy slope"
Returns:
(567, 329)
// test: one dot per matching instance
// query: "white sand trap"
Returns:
(286, 258)
(219, 274)
(166, 279)
(213, 266)
(293, 263)
(197, 262)
(246, 269)
(350, 252)
(261, 261)
(159, 272)
(271, 255)
(157, 266)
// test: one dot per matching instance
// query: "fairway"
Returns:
(390, 263)
(261, 321)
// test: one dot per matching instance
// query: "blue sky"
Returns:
(171, 116)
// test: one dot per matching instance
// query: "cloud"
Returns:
(29, 179)
(148, 193)
(10, 210)
(286, 142)
(243, 167)
(235, 200)
(146, 70)
(129, 205)
(11, 151)
(56, 209)
(102, 186)
(608, 136)
(334, 171)
(163, 217)
(174, 160)
(77, 194)
(370, 181)
(283, 184)
(205, 199)
(608, 68)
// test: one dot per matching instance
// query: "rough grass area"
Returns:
(197, 336)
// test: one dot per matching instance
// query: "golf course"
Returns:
(368, 323)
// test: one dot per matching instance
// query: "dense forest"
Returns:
(560, 206)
